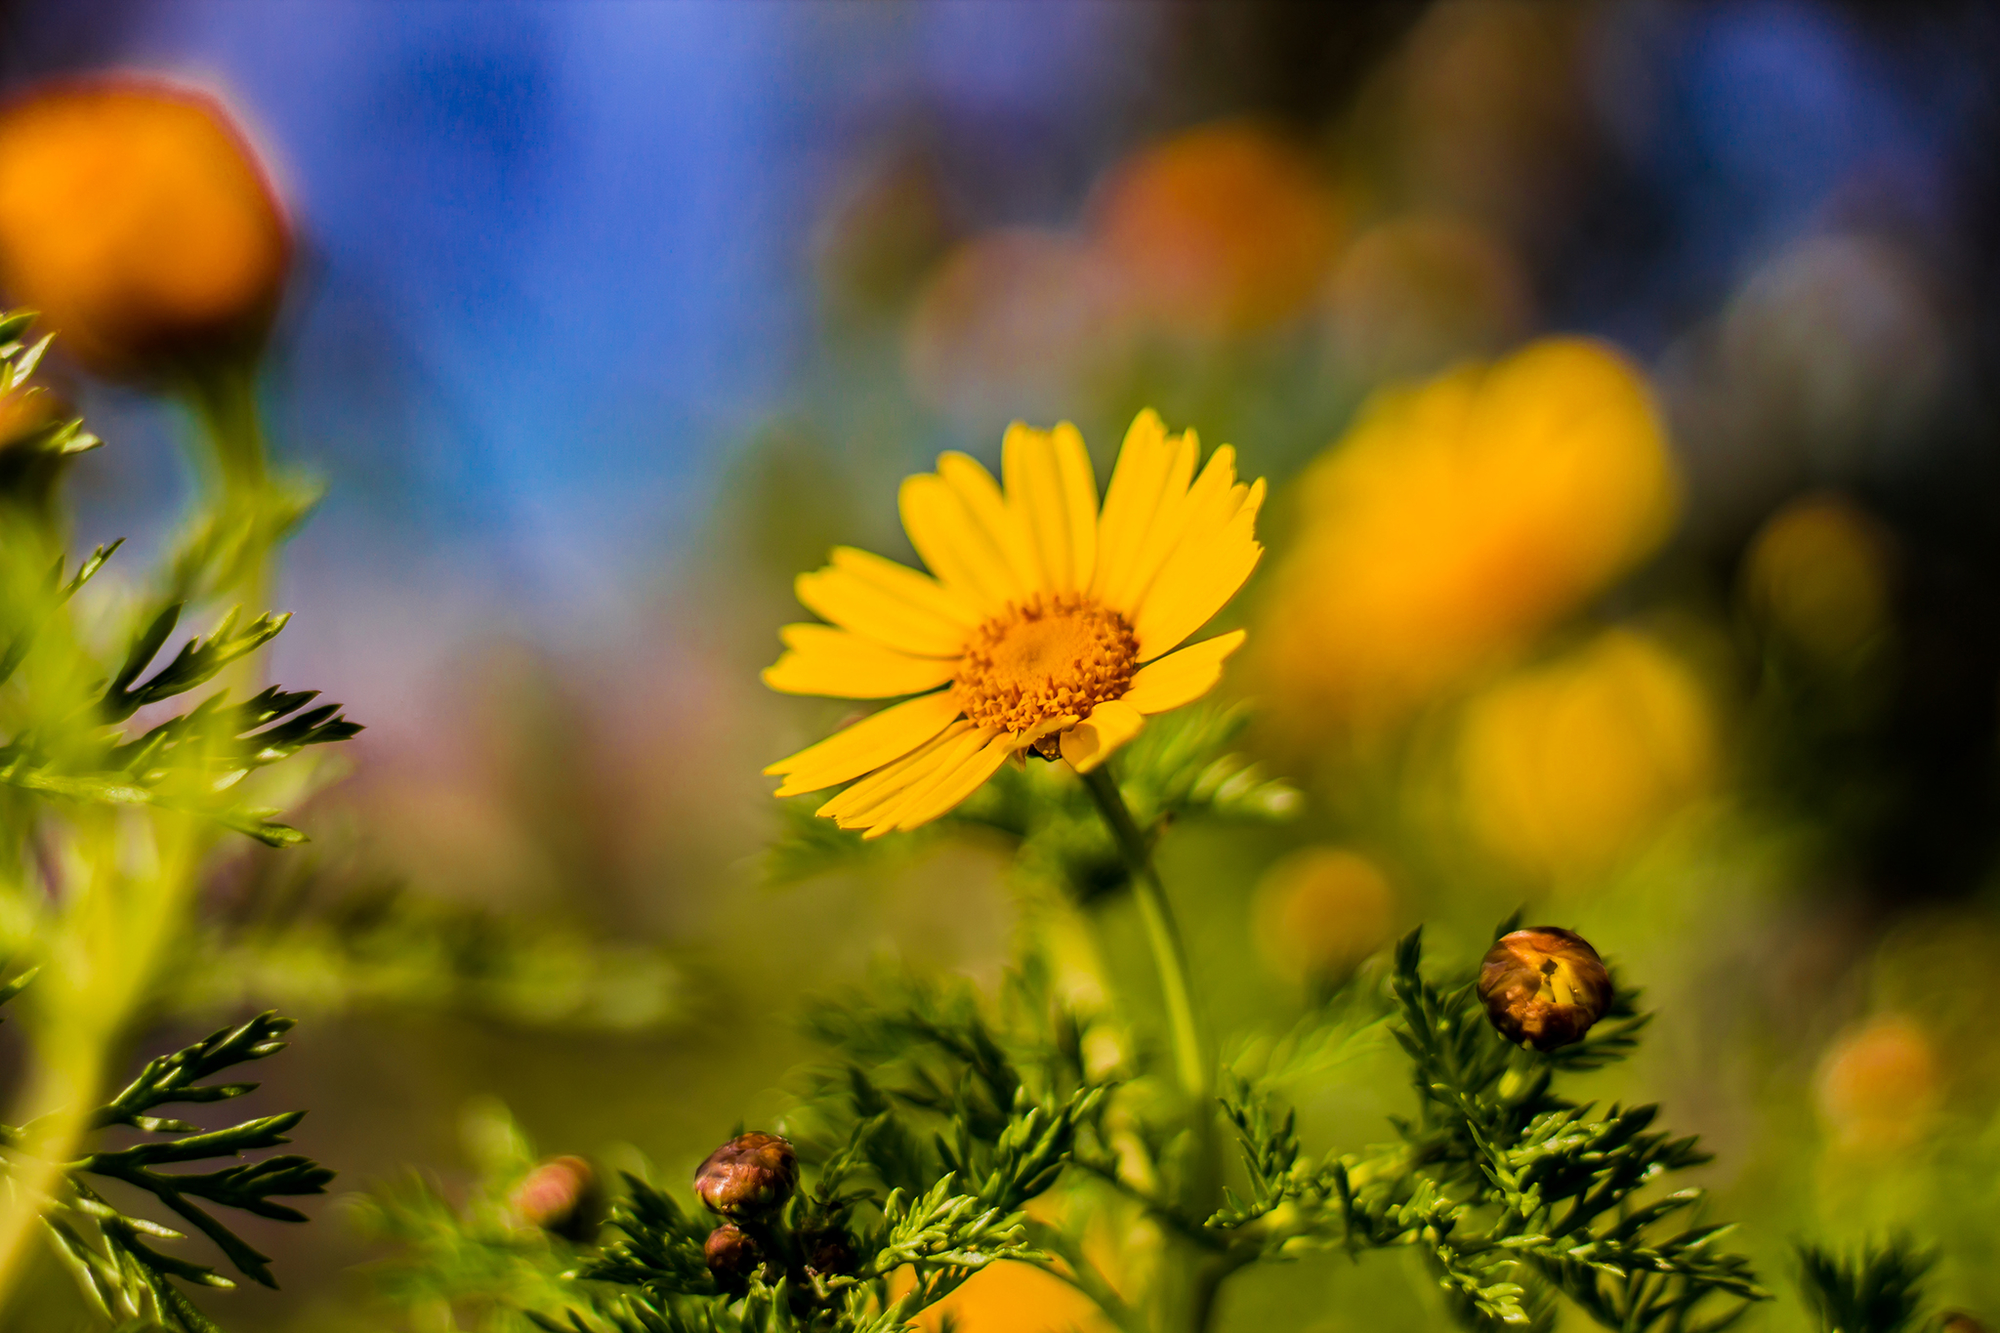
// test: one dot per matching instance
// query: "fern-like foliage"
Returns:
(476, 1254)
(37, 435)
(65, 737)
(924, 1137)
(112, 1251)
(1515, 1193)
(189, 762)
(1879, 1290)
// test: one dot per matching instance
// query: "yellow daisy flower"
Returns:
(1044, 624)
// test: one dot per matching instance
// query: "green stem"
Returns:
(225, 399)
(1191, 1060)
(242, 501)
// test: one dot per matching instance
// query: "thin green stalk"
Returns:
(225, 400)
(1196, 1070)
(118, 924)
(1192, 1060)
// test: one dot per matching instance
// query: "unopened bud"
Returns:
(1544, 986)
(827, 1251)
(560, 1196)
(749, 1176)
(732, 1256)
(1958, 1321)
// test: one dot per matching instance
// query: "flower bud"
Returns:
(559, 1196)
(749, 1176)
(134, 215)
(732, 1256)
(1958, 1321)
(1544, 986)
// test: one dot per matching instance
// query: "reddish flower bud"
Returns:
(732, 1256)
(749, 1176)
(560, 1196)
(1544, 986)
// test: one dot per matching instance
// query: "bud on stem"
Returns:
(751, 1176)
(732, 1256)
(1544, 986)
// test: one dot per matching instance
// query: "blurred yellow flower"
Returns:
(1879, 1085)
(136, 218)
(1047, 625)
(1568, 764)
(1320, 911)
(1455, 520)
(1819, 569)
(1221, 229)
(1010, 1297)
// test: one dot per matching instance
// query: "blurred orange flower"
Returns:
(1226, 228)
(1879, 1085)
(1457, 519)
(136, 218)
(1568, 764)
(1015, 1298)
(1819, 569)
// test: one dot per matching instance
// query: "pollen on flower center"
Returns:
(1053, 655)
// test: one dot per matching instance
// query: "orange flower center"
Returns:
(1051, 656)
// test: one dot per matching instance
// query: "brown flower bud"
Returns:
(1544, 986)
(1958, 1321)
(559, 1196)
(749, 1176)
(732, 1256)
(827, 1251)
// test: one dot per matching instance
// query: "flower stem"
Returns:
(1191, 1060)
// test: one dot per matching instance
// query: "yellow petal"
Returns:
(955, 544)
(1079, 486)
(1198, 580)
(919, 590)
(1208, 499)
(833, 662)
(996, 520)
(877, 804)
(868, 744)
(1091, 741)
(1155, 525)
(875, 612)
(1054, 495)
(1135, 487)
(889, 781)
(940, 798)
(1180, 678)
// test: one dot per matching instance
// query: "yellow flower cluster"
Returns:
(1456, 520)
(1566, 764)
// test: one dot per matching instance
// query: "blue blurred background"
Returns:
(557, 260)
